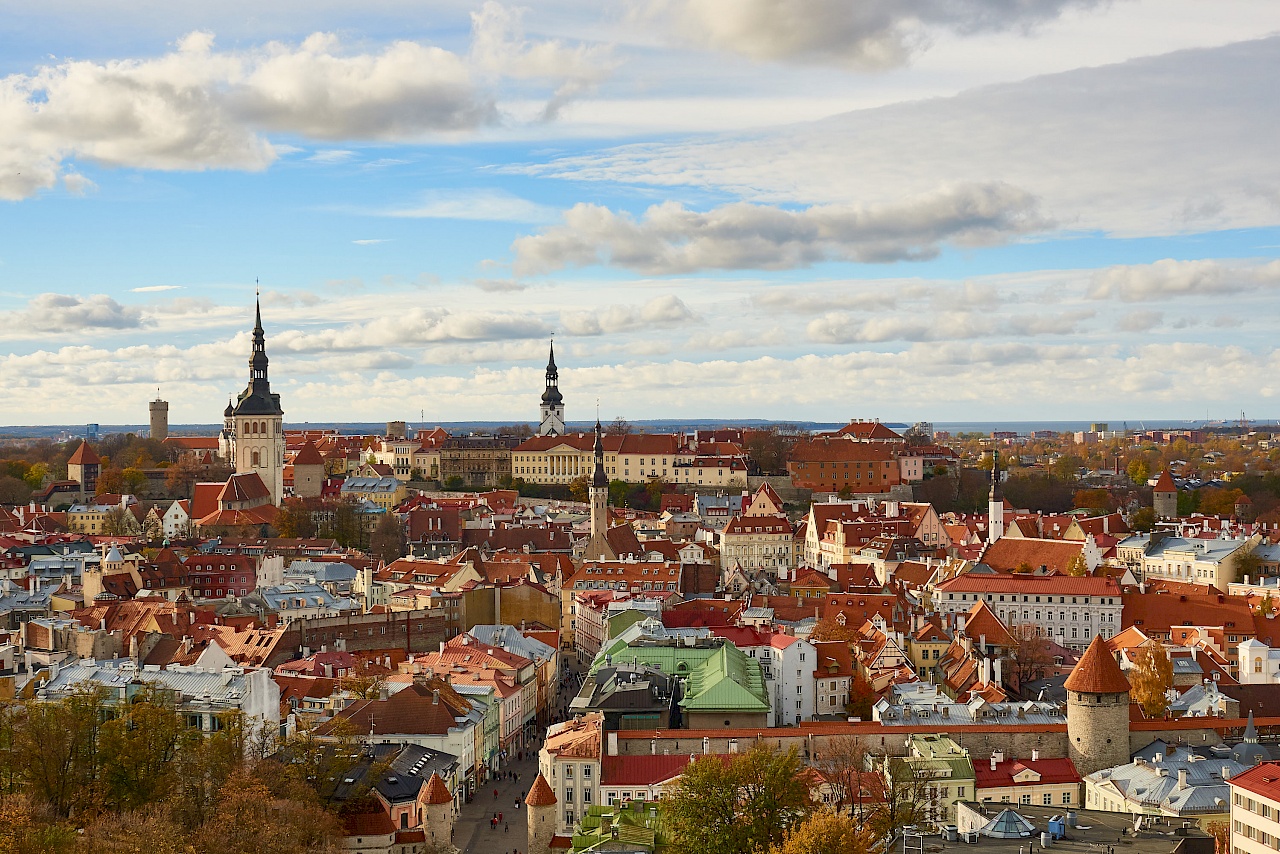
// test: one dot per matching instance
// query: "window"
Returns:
(568, 794)
(586, 795)
(1026, 799)
(1048, 799)
(586, 772)
(1066, 797)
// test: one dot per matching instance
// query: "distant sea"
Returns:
(650, 425)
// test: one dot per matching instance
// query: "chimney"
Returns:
(1226, 772)
(435, 697)
(997, 677)
(1035, 755)
(982, 643)
(1182, 777)
(993, 762)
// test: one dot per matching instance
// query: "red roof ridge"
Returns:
(1097, 671)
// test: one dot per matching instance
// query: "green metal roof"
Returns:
(721, 678)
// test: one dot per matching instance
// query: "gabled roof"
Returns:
(1097, 672)
(244, 487)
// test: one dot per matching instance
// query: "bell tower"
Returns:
(552, 406)
(258, 421)
(995, 505)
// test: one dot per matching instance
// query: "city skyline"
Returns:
(947, 216)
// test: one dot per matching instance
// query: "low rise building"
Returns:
(1179, 783)
(1068, 609)
(570, 763)
(1044, 782)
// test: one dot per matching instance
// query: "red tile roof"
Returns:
(308, 456)
(642, 770)
(1262, 779)
(244, 487)
(1165, 483)
(1097, 672)
(540, 794)
(1008, 553)
(437, 792)
(1050, 771)
(1055, 585)
(84, 455)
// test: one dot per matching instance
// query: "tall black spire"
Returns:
(552, 394)
(257, 398)
(996, 492)
(598, 477)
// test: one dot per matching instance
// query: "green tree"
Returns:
(1143, 520)
(747, 803)
(138, 748)
(1150, 678)
(134, 480)
(14, 490)
(35, 475)
(57, 747)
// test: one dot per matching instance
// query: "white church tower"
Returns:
(257, 422)
(552, 407)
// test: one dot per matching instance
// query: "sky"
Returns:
(944, 210)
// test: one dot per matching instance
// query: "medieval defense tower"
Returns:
(1097, 711)
(159, 419)
(542, 816)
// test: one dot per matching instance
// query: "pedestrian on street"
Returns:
(495, 794)
(499, 816)
(506, 828)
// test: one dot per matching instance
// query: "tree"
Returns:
(295, 520)
(826, 832)
(1267, 606)
(906, 798)
(134, 480)
(35, 475)
(619, 427)
(862, 696)
(388, 539)
(842, 762)
(138, 748)
(580, 488)
(1077, 566)
(1150, 679)
(747, 803)
(1143, 520)
(1139, 470)
(1067, 467)
(14, 490)
(830, 629)
(1247, 563)
(1221, 833)
(110, 479)
(118, 522)
(1029, 654)
(180, 478)
(1093, 499)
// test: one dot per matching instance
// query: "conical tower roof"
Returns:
(84, 456)
(1097, 672)
(437, 791)
(1165, 483)
(540, 795)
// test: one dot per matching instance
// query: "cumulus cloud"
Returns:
(666, 310)
(499, 46)
(483, 204)
(65, 313)
(198, 107)
(839, 327)
(670, 238)
(1140, 321)
(1170, 278)
(869, 34)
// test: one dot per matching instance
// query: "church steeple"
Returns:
(598, 476)
(995, 505)
(551, 422)
(258, 358)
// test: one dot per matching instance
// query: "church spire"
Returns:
(551, 408)
(598, 476)
(996, 492)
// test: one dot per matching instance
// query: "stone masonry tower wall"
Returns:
(1097, 730)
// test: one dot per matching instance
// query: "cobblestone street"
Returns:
(472, 833)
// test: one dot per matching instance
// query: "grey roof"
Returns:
(283, 597)
(919, 704)
(322, 571)
(219, 686)
(1150, 785)
(510, 639)
(370, 484)
(408, 768)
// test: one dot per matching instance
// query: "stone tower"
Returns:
(552, 407)
(1097, 711)
(439, 824)
(258, 421)
(1164, 497)
(308, 472)
(542, 816)
(159, 419)
(995, 505)
(598, 547)
(83, 467)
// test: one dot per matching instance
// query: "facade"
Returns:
(253, 427)
(1179, 783)
(1259, 663)
(827, 464)
(385, 492)
(1069, 609)
(570, 763)
(1195, 561)
(1255, 810)
(632, 457)
(1164, 497)
(759, 542)
(1028, 782)
(788, 664)
(476, 461)
(83, 466)
(946, 765)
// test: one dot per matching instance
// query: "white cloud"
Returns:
(412, 326)
(1170, 278)
(868, 34)
(479, 204)
(1140, 321)
(151, 289)
(498, 46)
(662, 311)
(68, 314)
(371, 241)
(1124, 164)
(838, 327)
(670, 238)
(198, 107)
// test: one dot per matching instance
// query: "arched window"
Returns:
(1257, 665)
(257, 459)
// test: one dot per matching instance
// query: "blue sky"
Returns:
(1053, 209)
